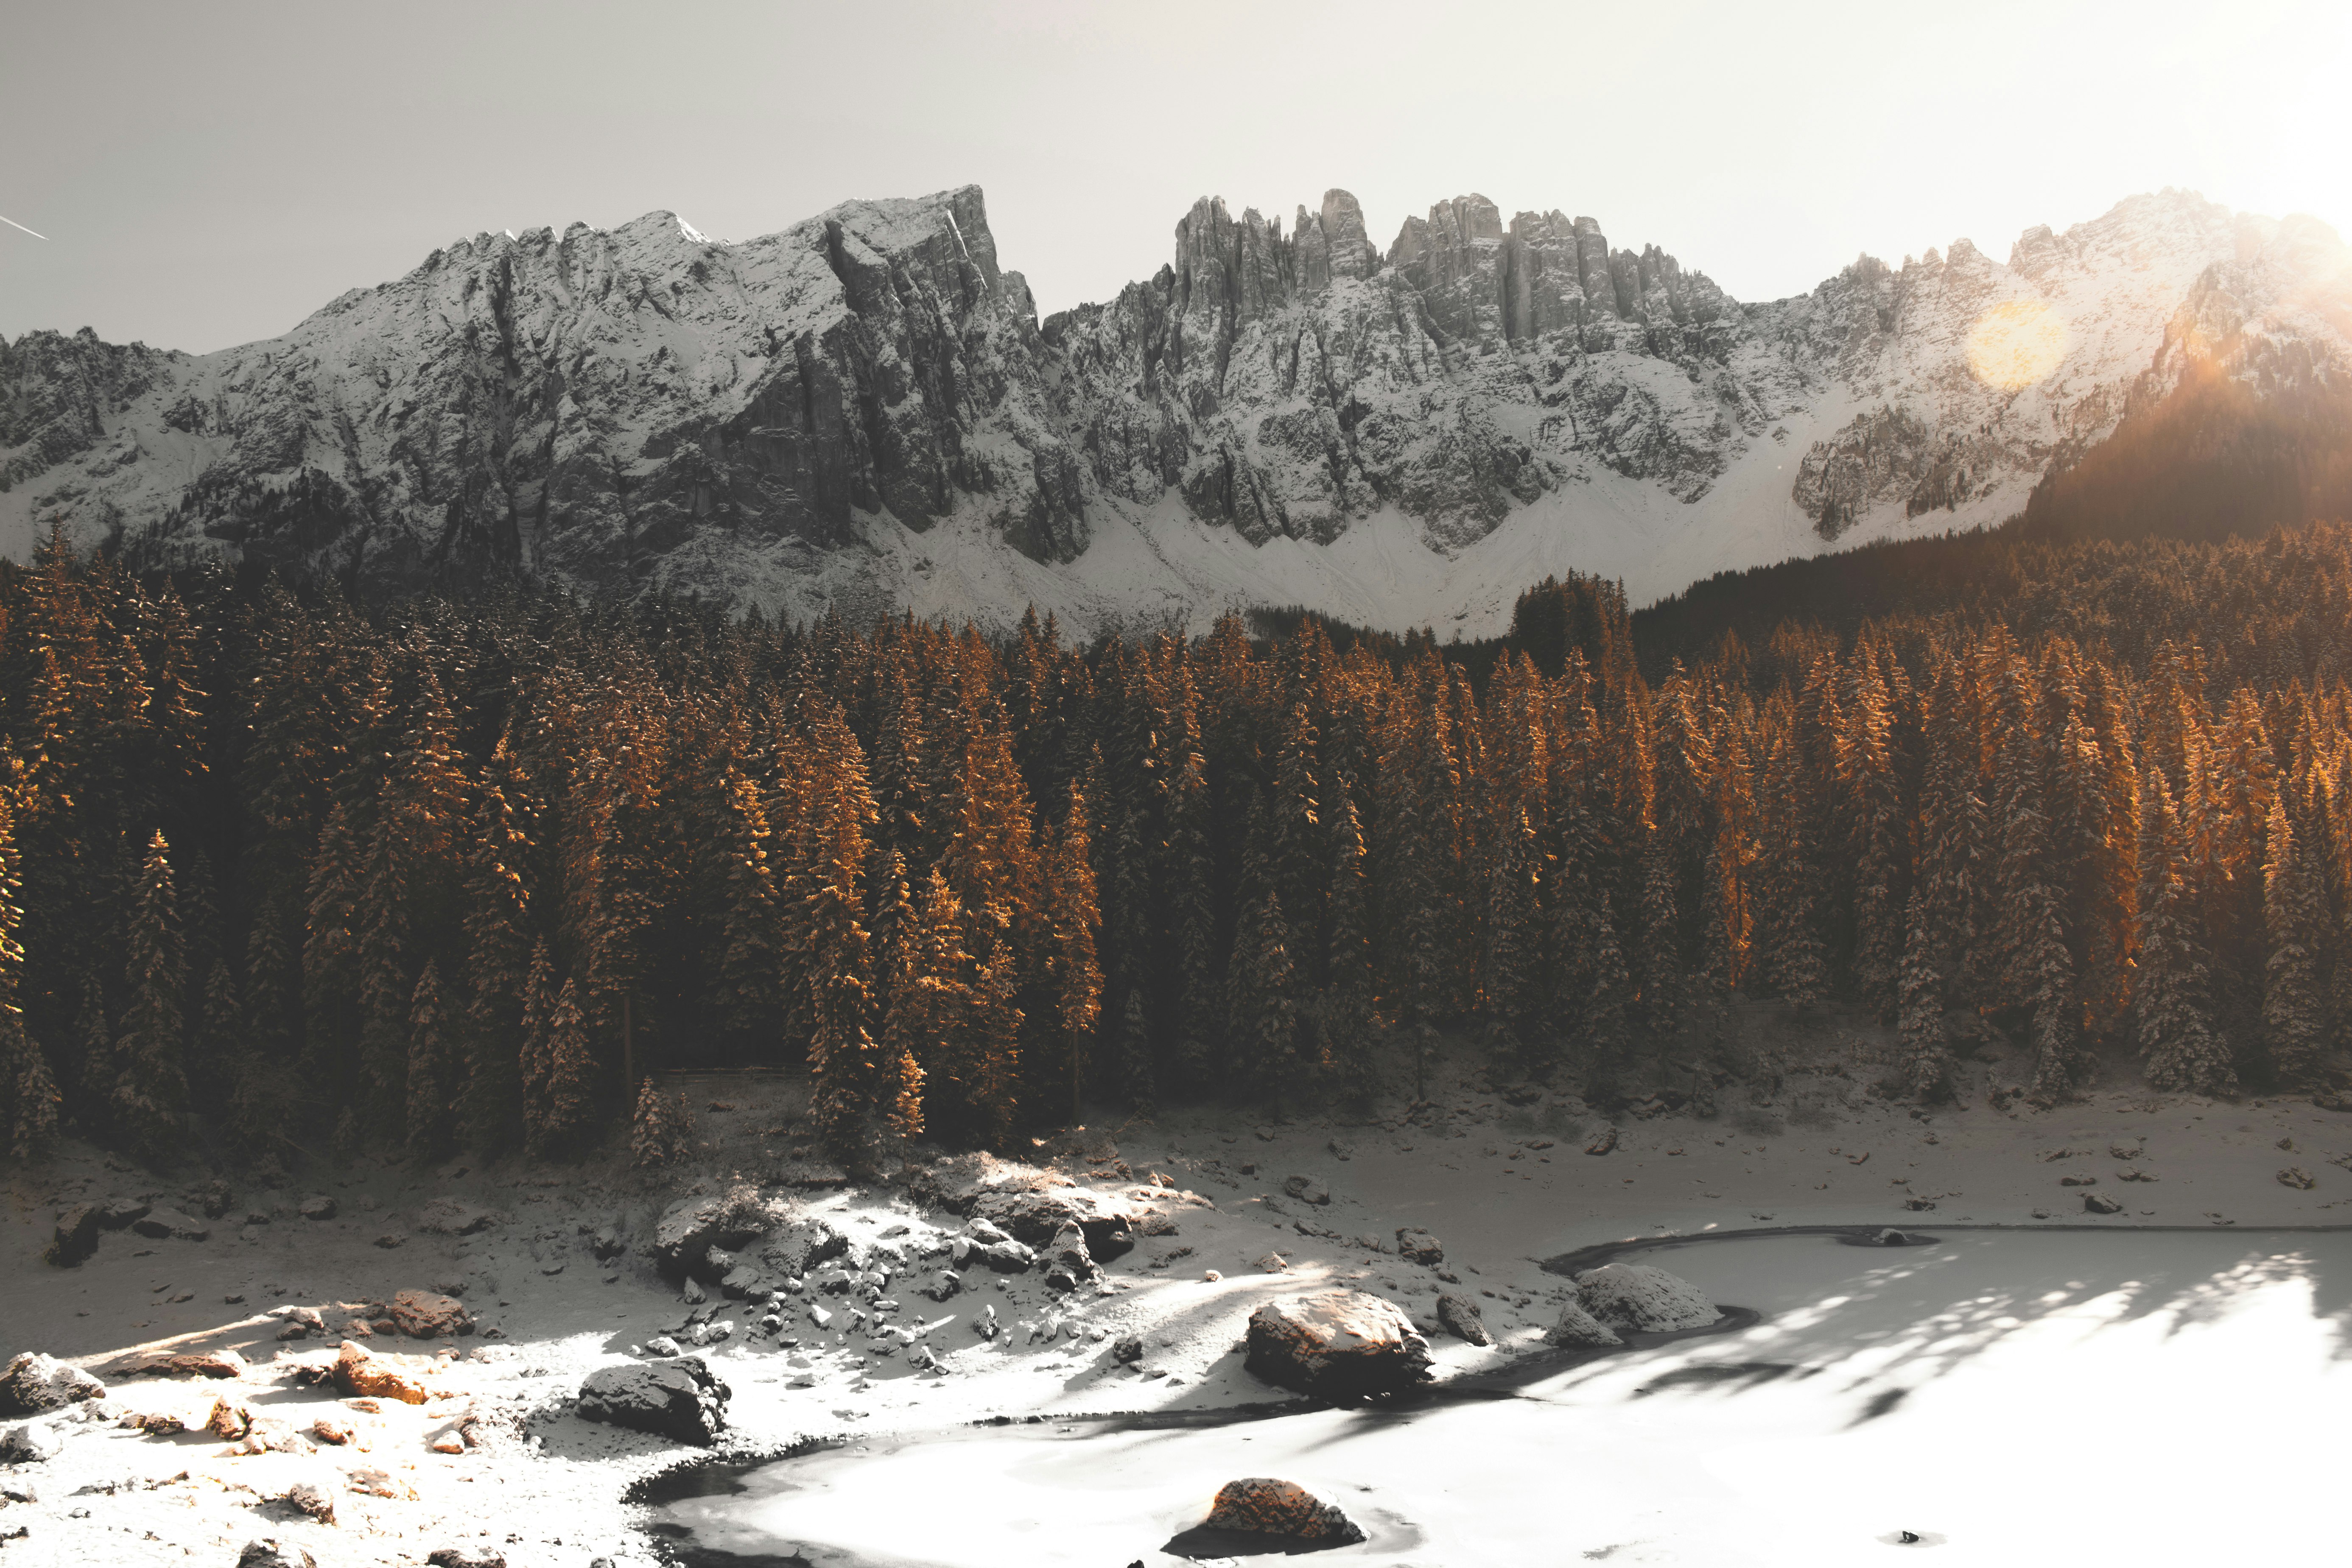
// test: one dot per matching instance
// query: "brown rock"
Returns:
(2296, 1176)
(359, 1373)
(1419, 1247)
(1263, 1505)
(1603, 1144)
(32, 1384)
(1336, 1344)
(427, 1315)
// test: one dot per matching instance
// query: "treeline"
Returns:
(437, 872)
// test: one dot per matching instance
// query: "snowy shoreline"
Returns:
(1506, 1189)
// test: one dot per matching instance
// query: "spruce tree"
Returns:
(1263, 1025)
(29, 1090)
(152, 1087)
(652, 1139)
(2294, 1023)
(497, 971)
(1926, 1056)
(1349, 1018)
(1072, 917)
(534, 1042)
(836, 956)
(1608, 1021)
(431, 1064)
(570, 1072)
(2174, 976)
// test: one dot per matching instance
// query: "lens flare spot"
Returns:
(2016, 343)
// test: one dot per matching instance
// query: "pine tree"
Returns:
(1134, 1052)
(498, 970)
(431, 1064)
(2293, 1025)
(902, 1000)
(536, 1068)
(1192, 918)
(1926, 1058)
(2176, 1033)
(29, 1090)
(1349, 1019)
(836, 955)
(1072, 917)
(1608, 1024)
(571, 1071)
(330, 956)
(1264, 1021)
(152, 1087)
(654, 1138)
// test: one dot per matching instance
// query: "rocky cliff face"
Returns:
(863, 410)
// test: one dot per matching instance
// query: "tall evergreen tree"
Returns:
(431, 1064)
(153, 1088)
(1926, 1055)
(2294, 1019)
(2176, 1033)
(28, 1089)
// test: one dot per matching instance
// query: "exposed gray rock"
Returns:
(1034, 1218)
(1306, 1189)
(1458, 1314)
(162, 1223)
(1638, 1298)
(448, 1217)
(34, 1443)
(1580, 1330)
(1420, 1246)
(690, 1227)
(272, 1553)
(1068, 1264)
(677, 1399)
(647, 410)
(33, 1385)
(317, 1205)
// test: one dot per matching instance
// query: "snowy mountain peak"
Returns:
(863, 410)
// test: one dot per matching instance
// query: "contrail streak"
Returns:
(12, 223)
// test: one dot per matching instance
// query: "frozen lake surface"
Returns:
(2012, 1396)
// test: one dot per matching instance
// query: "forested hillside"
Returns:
(440, 872)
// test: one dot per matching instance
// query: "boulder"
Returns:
(743, 1279)
(34, 1443)
(690, 1227)
(317, 1205)
(32, 1384)
(676, 1399)
(1459, 1315)
(465, 1557)
(1306, 1189)
(803, 1245)
(200, 1364)
(428, 1315)
(448, 1217)
(1338, 1345)
(2296, 1176)
(608, 1245)
(76, 1236)
(2099, 1203)
(116, 1213)
(162, 1223)
(1580, 1330)
(1068, 1264)
(313, 1500)
(1263, 1505)
(274, 1554)
(1637, 1298)
(1034, 1218)
(1419, 1247)
(375, 1377)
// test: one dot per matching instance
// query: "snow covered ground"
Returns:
(2011, 1397)
(2042, 1394)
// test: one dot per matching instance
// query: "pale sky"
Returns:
(207, 174)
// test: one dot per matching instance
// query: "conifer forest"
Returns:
(430, 874)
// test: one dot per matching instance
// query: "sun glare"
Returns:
(2016, 343)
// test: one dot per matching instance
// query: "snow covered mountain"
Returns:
(864, 410)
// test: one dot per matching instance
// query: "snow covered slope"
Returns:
(863, 411)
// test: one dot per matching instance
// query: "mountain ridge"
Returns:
(863, 411)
